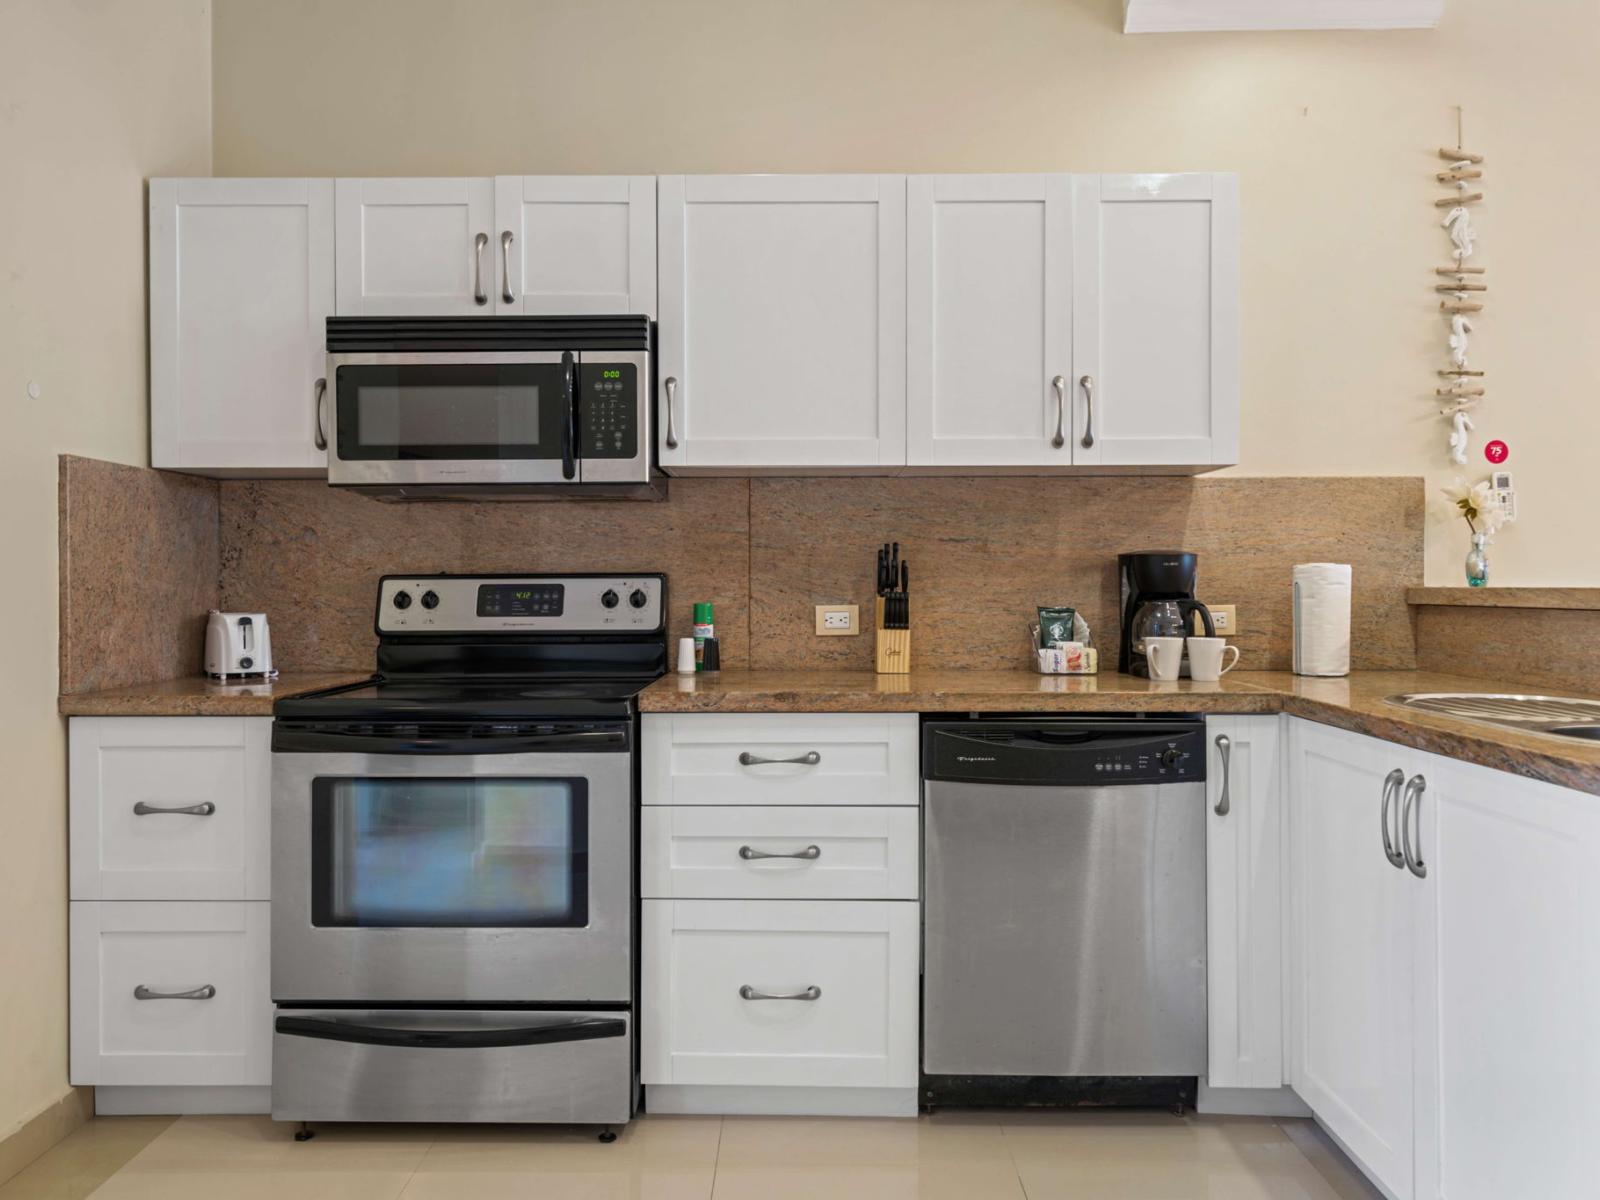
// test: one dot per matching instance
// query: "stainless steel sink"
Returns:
(1555, 716)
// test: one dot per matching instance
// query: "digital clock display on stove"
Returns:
(521, 599)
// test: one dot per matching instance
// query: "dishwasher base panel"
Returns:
(1175, 1092)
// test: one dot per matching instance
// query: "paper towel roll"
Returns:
(1322, 619)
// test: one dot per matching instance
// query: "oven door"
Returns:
(442, 878)
(464, 417)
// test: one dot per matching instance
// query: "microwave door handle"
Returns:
(569, 428)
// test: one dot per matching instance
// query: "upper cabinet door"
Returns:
(416, 246)
(989, 321)
(575, 244)
(782, 323)
(1156, 320)
(241, 286)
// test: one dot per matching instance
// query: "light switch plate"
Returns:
(1223, 616)
(838, 620)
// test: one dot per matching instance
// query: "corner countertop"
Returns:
(200, 696)
(1357, 702)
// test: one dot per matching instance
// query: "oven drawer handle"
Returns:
(204, 809)
(749, 993)
(809, 759)
(749, 852)
(203, 992)
(587, 1029)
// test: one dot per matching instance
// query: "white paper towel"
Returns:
(1322, 619)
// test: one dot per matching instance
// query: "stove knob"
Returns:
(609, 598)
(1169, 757)
(637, 598)
(430, 599)
(402, 599)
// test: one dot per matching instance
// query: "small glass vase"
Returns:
(1478, 562)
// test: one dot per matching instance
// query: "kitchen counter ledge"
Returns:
(198, 696)
(1356, 702)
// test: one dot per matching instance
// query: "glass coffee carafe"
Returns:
(1166, 618)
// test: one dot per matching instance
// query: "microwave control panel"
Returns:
(608, 410)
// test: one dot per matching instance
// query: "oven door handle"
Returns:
(330, 741)
(585, 1029)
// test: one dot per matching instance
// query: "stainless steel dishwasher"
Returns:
(1064, 911)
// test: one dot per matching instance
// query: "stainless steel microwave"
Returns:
(420, 407)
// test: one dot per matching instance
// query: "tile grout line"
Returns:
(716, 1159)
(1022, 1184)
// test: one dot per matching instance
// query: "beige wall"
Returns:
(95, 95)
(1333, 134)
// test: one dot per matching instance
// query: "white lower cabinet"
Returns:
(1244, 902)
(166, 993)
(777, 992)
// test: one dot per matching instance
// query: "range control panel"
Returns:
(429, 604)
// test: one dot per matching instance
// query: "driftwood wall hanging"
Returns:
(1464, 288)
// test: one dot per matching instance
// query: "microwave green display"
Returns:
(610, 374)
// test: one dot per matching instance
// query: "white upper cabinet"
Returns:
(416, 247)
(241, 286)
(782, 322)
(575, 244)
(1156, 320)
(989, 321)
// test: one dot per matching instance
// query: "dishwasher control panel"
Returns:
(1065, 752)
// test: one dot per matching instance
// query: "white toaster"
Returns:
(238, 644)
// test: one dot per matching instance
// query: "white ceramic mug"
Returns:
(1165, 656)
(1205, 658)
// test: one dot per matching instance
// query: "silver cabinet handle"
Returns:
(321, 438)
(1087, 384)
(671, 385)
(505, 267)
(749, 852)
(749, 993)
(204, 809)
(1225, 748)
(204, 992)
(478, 243)
(1415, 786)
(1060, 385)
(809, 759)
(1391, 785)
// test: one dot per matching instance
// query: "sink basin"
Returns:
(1555, 716)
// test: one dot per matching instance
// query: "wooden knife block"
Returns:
(894, 647)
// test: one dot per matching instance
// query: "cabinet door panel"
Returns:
(989, 272)
(1155, 319)
(409, 246)
(1353, 943)
(783, 321)
(241, 287)
(1510, 1043)
(1244, 907)
(579, 244)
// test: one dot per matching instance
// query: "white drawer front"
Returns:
(818, 853)
(124, 767)
(781, 758)
(859, 1031)
(118, 1038)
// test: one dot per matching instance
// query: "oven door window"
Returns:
(457, 411)
(420, 852)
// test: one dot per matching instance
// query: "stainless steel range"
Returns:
(453, 864)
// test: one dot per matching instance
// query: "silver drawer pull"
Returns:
(204, 992)
(809, 759)
(749, 993)
(751, 852)
(204, 809)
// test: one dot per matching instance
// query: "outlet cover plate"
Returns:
(838, 620)
(1224, 616)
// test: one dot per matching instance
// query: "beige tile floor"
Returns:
(949, 1156)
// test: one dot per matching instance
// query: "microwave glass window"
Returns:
(450, 411)
(436, 852)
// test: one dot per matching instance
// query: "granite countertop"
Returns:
(1356, 702)
(198, 696)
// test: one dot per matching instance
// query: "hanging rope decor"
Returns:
(1464, 288)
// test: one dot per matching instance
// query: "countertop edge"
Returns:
(1577, 598)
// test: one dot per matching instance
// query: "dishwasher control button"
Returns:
(1169, 758)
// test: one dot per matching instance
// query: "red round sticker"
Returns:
(1497, 451)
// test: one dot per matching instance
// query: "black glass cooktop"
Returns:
(447, 699)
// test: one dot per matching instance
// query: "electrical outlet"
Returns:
(1224, 618)
(838, 620)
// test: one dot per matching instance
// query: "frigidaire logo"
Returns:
(975, 758)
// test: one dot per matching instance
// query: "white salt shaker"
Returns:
(686, 656)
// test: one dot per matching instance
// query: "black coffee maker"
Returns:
(1157, 601)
